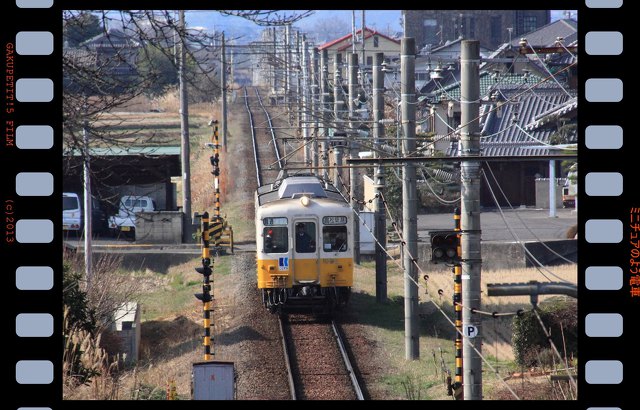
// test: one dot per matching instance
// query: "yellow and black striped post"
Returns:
(215, 231)
(215, 162)
(457, 303)
(172, 393)
(207, 284)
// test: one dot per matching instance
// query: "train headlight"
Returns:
(305, 201)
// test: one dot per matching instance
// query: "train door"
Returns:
(305, 251)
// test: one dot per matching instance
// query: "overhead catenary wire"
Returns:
(523, 223)
(343, 92)
(368, 97)
(540, 265)
(398, 263)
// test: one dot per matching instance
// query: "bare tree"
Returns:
(112, 57)
(327, 29)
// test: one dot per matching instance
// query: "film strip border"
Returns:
(31, 197)
(603, 264)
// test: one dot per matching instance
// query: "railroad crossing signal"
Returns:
(444, 246)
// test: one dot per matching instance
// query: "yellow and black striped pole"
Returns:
(217, 222)
(457, 303)
(215, 162)
(205, 296)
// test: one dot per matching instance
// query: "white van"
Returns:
(71, 212)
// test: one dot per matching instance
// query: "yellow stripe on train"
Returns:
(327, 272)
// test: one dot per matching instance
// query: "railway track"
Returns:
(315, 354)
(317, 361)
(268, 161)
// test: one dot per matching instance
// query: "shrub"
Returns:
(529, 340)
(80, 315)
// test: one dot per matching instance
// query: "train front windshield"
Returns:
(334, 238)
(276, 239)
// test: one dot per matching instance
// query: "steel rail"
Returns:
(347, 362)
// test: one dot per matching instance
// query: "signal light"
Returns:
(444, 246)
(204, 297)
(204, 270)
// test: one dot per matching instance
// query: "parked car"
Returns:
(125, 221)
(71, 212)
(99, 218)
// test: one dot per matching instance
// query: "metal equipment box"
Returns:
(213, 380)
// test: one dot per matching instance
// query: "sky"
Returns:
(381, 19)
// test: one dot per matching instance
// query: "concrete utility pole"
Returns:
(353, 31)
(304, 111)
(338, 107)
(409, 198)
(470, 217)
(184, 141)
(287, 67)
(353, 152)
(364, 59)
(272, 69)
(315, 102)
(325, 98)
(299, 100)
(223, 87)
(552, 189)
(88, 251)
(380, 218)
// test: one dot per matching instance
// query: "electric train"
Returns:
(304, 239)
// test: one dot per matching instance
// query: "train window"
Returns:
(305, 237)
(334, 238)
(276, 239)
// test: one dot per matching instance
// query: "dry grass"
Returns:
(425, 377)
(82, 349)
(156, 121)
(496, 332)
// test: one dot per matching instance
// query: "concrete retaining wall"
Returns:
(159, 227)
(511, 255)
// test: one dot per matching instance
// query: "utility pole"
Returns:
(232, 78)
(88, 251)
(315, 101)
(353, 31)
(299, 101)
(273, 64)
(380, 218)
(223, 86)
(287, 68)
(364, 60)
(324, 93)
(552, 189)
(338, 112)
(304, 107)
(409, 198)
(353, 152)
(470, 217)
(184, 141)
